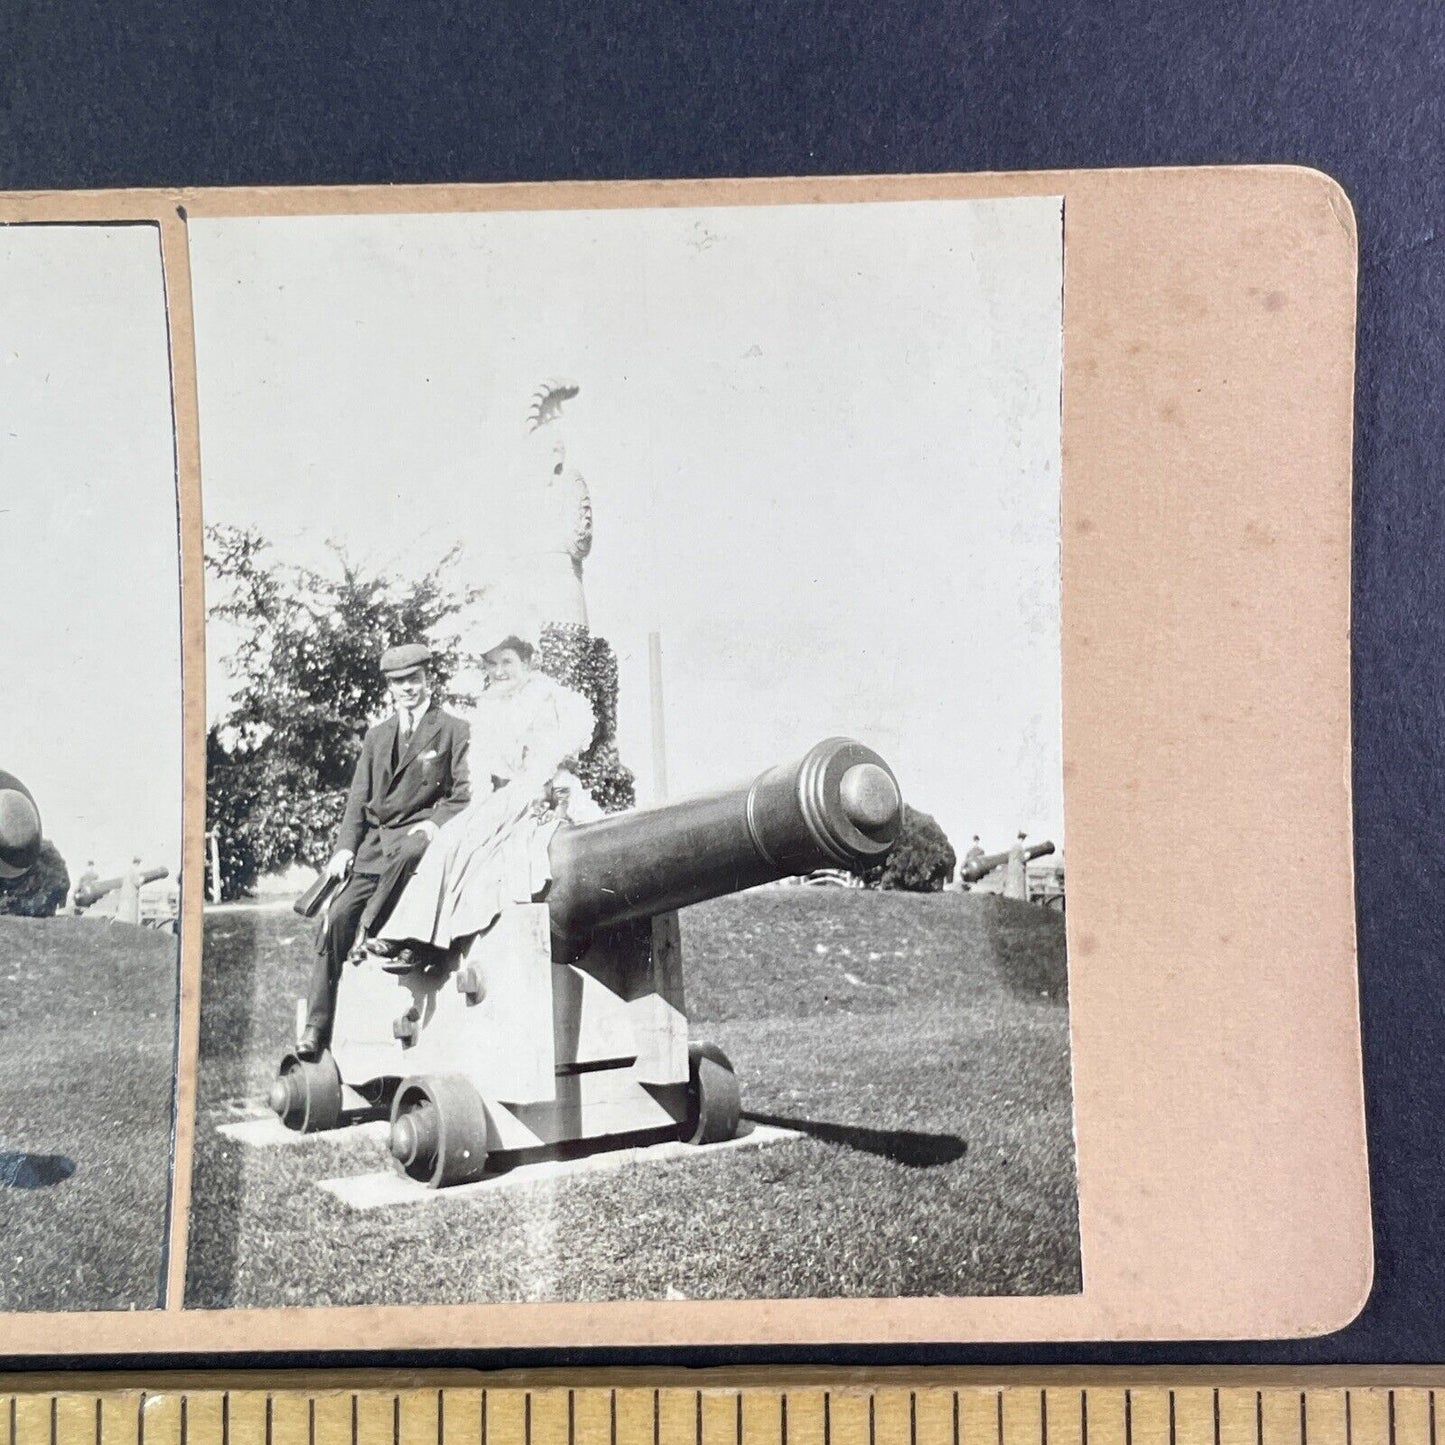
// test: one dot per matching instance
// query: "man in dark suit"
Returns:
(411, 777)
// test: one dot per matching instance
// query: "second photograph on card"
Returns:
(91, 765)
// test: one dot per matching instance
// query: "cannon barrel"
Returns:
(19, 828)
(97, 890)
(839, 806)
(982, 867)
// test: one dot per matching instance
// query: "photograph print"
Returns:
(634, 791)
(90, 768)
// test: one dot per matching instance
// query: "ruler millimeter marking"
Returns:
(745, 1414)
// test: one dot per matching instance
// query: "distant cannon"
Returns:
(565, 1020)
(92, 893)
(20, 832)
(982, 867)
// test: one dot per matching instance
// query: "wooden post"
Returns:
(659, 738)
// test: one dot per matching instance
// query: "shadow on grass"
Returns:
(908, 1147)
(228, 971)
(34, 1171)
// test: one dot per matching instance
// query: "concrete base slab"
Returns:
(269, 1132)
(379, 1191)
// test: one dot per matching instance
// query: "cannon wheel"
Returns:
(714, 1102)
(439, 1130)
(306, 1096)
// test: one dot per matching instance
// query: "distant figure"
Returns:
(1016, 874)
(975, 852)
(87, 881)
(127, 909)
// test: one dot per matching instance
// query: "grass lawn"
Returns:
(920, 1043)
(87, 1043)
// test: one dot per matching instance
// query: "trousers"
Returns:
(364, 901)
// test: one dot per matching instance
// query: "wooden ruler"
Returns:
(1098, 1409)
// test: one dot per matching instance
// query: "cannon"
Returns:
(92, 893)
(564, 1023)
(19, 828)
(982, 867)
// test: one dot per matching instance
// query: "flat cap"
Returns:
(406, 657)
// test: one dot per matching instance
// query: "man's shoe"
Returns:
(423, 957)
(310, 1046)
(383, 948)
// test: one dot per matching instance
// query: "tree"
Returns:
(41, 891)
(921, 861)
(305, 689)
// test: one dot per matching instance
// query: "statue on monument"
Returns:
(557, 512)
(556, 539)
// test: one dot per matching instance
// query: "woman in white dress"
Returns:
(525, 726)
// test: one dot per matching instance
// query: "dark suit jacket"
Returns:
(390, 795)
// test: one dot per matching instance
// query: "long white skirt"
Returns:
(491, 854)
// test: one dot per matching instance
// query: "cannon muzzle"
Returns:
(19, 828)
(982, 867)
(837, 807)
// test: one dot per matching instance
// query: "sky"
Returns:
(822, 445)
(89, 561)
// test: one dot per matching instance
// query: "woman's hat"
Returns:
(496, 639)
(497, 626)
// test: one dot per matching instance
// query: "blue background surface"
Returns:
(166, 93)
